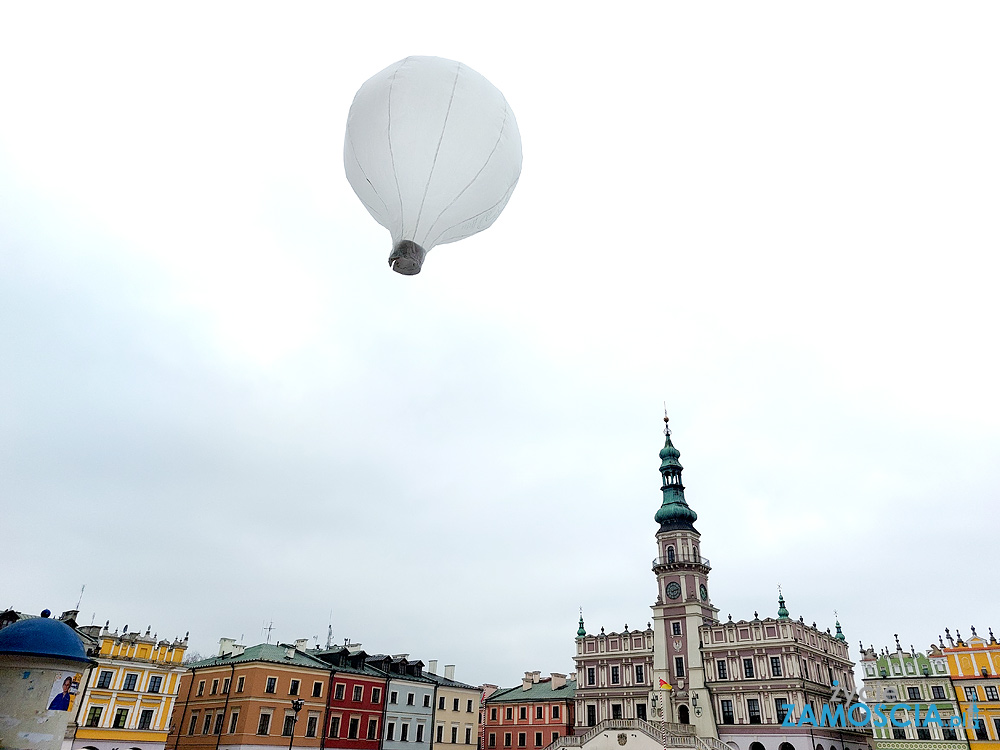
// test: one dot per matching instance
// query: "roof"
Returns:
(539, 691)
(445, 682)
(45, 637)
(265, 652)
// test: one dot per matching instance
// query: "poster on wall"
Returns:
(64, 690)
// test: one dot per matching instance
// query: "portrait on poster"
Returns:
(64, 689)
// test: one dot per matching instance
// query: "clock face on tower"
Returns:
(704, 593)
(673, 589)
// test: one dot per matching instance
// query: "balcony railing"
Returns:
(667, 734)
(681, 558)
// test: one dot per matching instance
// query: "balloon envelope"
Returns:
(433, 151)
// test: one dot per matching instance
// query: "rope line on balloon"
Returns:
(502, 202)
(354, 153)
(437, 152)
(392, 158)
(506, 115)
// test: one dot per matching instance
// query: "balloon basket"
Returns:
(407, 257)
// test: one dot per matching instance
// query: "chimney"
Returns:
(536, 676)
(558, 681)
(449, 671)
(526, 681)
(226, 646)
(238, 649)
(432, 666)
(289, 652)
(301, 643)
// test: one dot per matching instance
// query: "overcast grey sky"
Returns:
(220, 407)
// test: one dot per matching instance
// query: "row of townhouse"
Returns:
(281, 695)
(947, 698)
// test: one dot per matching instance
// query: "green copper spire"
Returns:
(840, 633)
(782, 612)
(674, 513)
(580, 631)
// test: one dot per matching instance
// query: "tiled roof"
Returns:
(267, 652)
(445, 682)
(539, 691)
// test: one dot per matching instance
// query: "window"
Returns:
(640, 712)
(509, 713)
(522, 739)
(948, 733)
(338, 692)
(393, 697)
(830, 669)
(317, 689)
(454, 735)
(991, 693)
(288, 728)
(748, 668)
(996, 725)
(615, 676)
(104, 681)
(409, 699)
(779, 709)
(335, 726)
(201, 688)
(981, 733)
(373, 729)
(776, 666)
(311, 723)
(427, 700)
(468, 706)
(232, 721)
(720, 667)
(591, 715)
(937, 691)
(506, 739)
(215, 687)
(898, 733)
(264, 725)
(923, 733)
(454, 704)
(225, 686)
(671, 557)
(522, 712)
(970, 694)
(727, 712)
(194, 722)
(219, 718)
(94, 716)
(376, 694)
(208, 723)
(555, 712)
(679, 666)
(239, 683)
(753, 710)
(404, 732)
(441, 703)
(805, 669)
(616, 710)
(591, 676)
(539, 712)
(420, 733)
(130, 680)
(390, 731)
(493, 714)
(272, 685)
(676, 628)
(352, 728)
(640, 676)
(913, 693)
(538, 739)
(492, 740)
(357, 693)
(555, 735)
(440, 732)
(293, 687)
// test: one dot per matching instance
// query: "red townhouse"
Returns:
(531, 716)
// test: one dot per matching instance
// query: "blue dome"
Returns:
(42, 636)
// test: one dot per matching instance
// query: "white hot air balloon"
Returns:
(433, 151)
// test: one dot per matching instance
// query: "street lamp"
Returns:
(297, 704)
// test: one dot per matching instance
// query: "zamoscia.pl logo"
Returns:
(870, 708)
